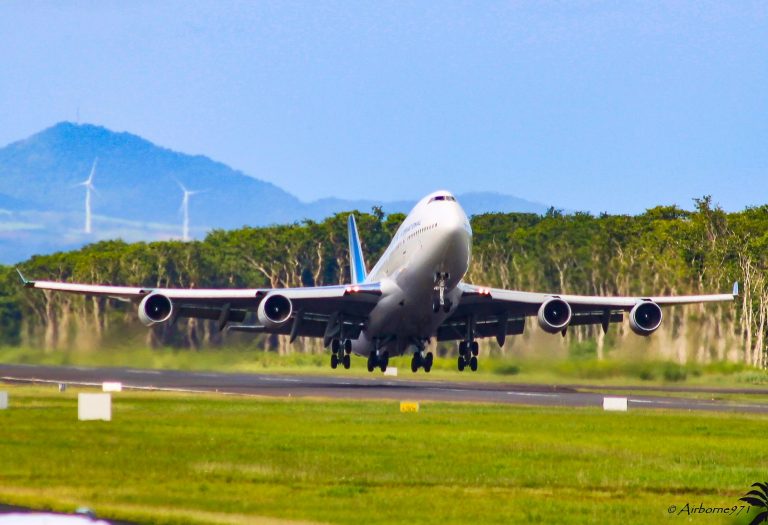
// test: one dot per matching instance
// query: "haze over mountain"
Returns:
(138, 197)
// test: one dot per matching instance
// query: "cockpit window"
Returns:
(443, 198)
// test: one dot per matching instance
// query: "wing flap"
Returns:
(455, 329)
(314, 326)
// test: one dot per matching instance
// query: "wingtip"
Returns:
(26, 282)
(736, 289)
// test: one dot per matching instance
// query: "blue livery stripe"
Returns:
(356, 262)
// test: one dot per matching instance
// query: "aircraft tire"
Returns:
(416, 362)
(346, 361)
(473, 364)
(462, 364)
(334, 361)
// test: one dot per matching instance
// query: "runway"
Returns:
(380, 387)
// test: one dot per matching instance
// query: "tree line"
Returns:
(666, 250)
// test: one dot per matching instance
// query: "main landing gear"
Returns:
(378, 359)
(421, 360)
(340, 353)
(440, 301)
(468, 351)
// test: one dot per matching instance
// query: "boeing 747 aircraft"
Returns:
(412, 295)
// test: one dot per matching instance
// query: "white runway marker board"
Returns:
(94, 407)
(615, 404)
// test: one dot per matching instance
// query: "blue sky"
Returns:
(599, 106)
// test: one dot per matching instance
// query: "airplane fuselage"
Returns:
(433, 242)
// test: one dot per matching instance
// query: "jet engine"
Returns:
(645, 317)
(274, 310)
(155, 308)
(554, 315)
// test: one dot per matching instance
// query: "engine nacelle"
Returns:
(274, 310)
(645, 318)
(554, 315)
(155, 308)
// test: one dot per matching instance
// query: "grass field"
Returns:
(168, 458)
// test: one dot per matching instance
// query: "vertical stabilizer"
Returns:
(356, 262)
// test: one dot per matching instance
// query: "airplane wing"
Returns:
(318, 311)
(498, 312)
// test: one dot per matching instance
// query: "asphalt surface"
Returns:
(382, 387)
(12, 514)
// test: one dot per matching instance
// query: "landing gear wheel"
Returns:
(447, 306)
(348, 346)
(462, 347)
(435, 305)
(475, 348)
(415, 362)
(383, 363)
(334, 361)
(462, 363)
(335, 345)
(346, 361)
(428, 362)
(371, 362)
(473, 364)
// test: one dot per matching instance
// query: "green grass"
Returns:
(168, 458)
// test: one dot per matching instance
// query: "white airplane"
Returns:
(412, 295)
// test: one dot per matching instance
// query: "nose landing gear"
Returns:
(440, 301)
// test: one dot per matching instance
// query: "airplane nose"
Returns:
(456, 243)
(456, 226)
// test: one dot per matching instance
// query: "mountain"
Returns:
(137, 194)
(135, 179)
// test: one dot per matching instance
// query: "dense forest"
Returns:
(666, 250)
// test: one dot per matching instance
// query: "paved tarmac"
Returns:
(15, 515)
(378, 386)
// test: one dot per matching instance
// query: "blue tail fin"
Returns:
(356, 262)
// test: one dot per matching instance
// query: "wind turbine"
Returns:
(88, 183)
(185, 209)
